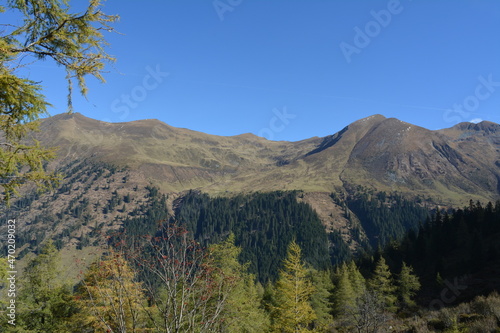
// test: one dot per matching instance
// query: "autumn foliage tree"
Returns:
(187, 291)
(110, 298)
(293, 311)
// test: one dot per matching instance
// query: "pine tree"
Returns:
(382, 284)
(48, 31)
(408, 285)
(293, 311)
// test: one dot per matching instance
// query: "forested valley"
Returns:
(263, 262)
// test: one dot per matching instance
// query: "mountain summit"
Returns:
(451, 165)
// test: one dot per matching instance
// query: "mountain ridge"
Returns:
(451, 165)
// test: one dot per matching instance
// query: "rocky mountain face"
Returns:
(451, 166)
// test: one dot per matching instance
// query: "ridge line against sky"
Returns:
(291, 70)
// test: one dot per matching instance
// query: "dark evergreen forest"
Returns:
(265, 223)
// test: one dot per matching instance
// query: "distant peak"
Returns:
(70, 115)
(396, 121)
(247, 136)
(62, 116)
(375, 117)
(481, 126)
(370, 121)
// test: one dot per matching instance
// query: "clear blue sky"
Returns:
(289, 69)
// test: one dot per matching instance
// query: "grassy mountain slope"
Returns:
(451, 165)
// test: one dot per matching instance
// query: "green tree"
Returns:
(408, 284)
(49, 30)
(382, 284)
(321, 298)
(358, 282)
(357, 307)
(269, 297)
(293, 311)
(3, 269)
(46, 302)
(242, 310)
(344, 295)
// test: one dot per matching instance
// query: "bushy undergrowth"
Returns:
(481, 315)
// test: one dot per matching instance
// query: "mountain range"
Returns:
(449, 166)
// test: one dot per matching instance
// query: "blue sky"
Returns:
(290, 69)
